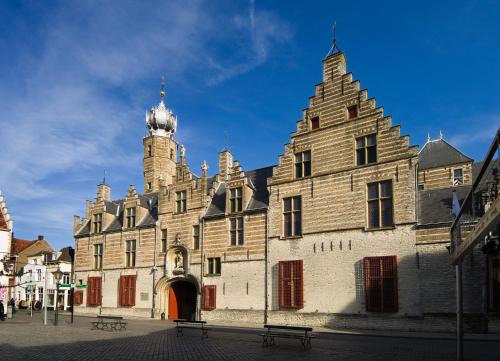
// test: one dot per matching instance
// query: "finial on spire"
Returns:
(225, 140)
(441, 136)
(162, 82)
(428, 137)
(104, 177)
(334, 49)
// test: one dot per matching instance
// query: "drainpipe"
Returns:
(102, 269)
(153, 304)
(266, 267)
(202, 256)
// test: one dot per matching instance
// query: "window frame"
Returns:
(98, 252)
(196, 237)
(237, 231)
(181, 201)
(130, 253)
(365, 150)
(299, 164)
(97, 223)
(293, 212)
(236, 199)
(379, 202)
(212, 264)
(164, 240)
(131, 213)
(315, 123)
(458, 178)
(348, 111)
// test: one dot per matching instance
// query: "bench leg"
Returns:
(204, 333)
(264, 341)
(309, 343)
(272, 343)
(179, 331)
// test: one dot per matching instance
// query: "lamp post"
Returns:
(57, 277)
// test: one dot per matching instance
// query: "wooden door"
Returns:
(173, 311)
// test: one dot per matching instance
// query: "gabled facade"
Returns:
(334, 234)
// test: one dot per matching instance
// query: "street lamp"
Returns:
(57, 277)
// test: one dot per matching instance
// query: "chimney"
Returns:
(40, 237)
(105, 191)
(225, 164)
(76, 222)
(88, 205)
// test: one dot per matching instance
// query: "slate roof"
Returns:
(67, 254)
(435, 204)
(259, 200)
(438, 153)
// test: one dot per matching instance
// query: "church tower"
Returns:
(160, 149)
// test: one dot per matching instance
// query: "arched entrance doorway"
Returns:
(182, 300)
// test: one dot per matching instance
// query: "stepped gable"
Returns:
(328, 114)
(5, 220)
(439, 153)
(260, 197)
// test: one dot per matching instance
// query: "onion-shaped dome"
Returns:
(161, 120)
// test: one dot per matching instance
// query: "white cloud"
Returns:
(62, 117)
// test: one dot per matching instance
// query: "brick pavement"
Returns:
(26, 339)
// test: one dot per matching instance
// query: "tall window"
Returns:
(366, 150)
(98, 256)
(236, 200)
(97, 223)
(130, 253)
(380, 205)
(66, 278)
(381, 283)
(214, 266)
(181, 202)
(127, 290)
(164, 237)
(292, 218)
(458, 177)
(237, 231)
(196, 237)
(94, 288)
(291, 284)
(131, 217)
(38, 274)
(303, 164)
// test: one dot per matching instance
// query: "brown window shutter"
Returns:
(209, 294)
(281, 283)
(99, 291)
(78, 298)
(381, 284)
(204, 298)
(298, 284)
(121, 286)
(131, 290)
(213, 295)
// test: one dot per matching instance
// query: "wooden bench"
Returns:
(109, 323)
(200, 325)
(279, 331)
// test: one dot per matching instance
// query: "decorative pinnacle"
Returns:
(441, 136)
(162, 82)
(428, 137)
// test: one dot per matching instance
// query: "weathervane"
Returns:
(335, 48)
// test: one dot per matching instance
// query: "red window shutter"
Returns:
(209, 294)
(381, 284)
(99, 293)
(298, 280)
(78, 298)
(91, 291)
(121, 292)
(131, 290)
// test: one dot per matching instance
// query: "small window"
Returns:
(149, 185)
(171, 154)
(130, 254)
(292, 216)
(314, 123)
(380, 206)
(149, 151)
(181, 201)
(458, 177)
(97, 223)
(98, 256)
(236, 200)
(381, 283)
(366, 150)
(303, 164)
(164, 236)
(214, 266)
(131, 217)
(352, 112)
(237, 231)
(196, 237)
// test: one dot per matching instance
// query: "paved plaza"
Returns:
(25, 338)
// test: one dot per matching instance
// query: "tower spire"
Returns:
(162, 83)
(334, 49)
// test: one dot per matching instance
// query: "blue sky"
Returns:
(78, 76)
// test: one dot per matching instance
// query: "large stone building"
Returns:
(349, 229)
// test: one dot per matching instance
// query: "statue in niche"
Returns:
(178, 263)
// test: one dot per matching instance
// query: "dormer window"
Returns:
(303, 164)
(181, 202)
(130, 217)
(458, 177)
(97, 223)
(236, 200)
(352, 112)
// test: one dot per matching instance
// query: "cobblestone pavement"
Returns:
(24, 338)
